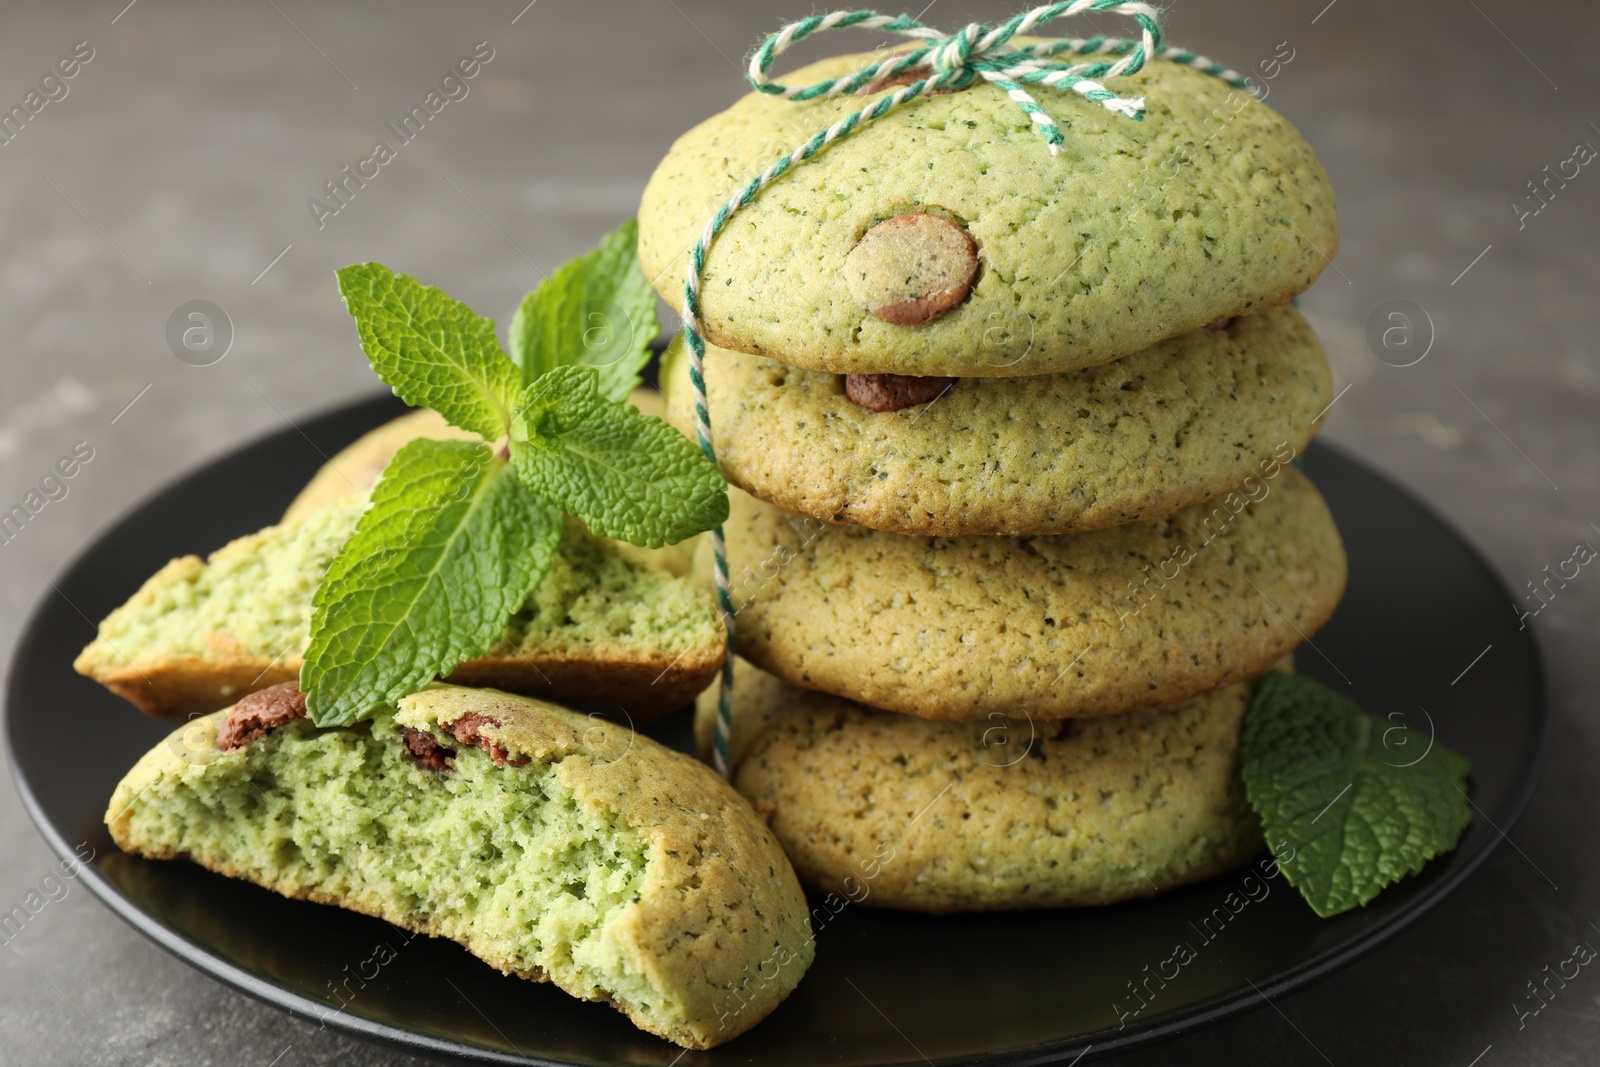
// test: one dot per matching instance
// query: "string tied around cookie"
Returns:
(953, 62)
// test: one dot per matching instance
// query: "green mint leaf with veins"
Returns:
(450, 547)
(432, 350)
(597, 310)
(626, 475)
(1358, 802)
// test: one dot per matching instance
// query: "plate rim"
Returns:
(1158, 1029)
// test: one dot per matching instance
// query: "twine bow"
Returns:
(957, 60)
(953, 62)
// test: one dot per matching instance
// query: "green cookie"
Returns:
(1136, 232)
(553, 846)
(1139, 437)
(1142, 615)
(893, 811)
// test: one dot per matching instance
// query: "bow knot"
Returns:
(955, 51)
(956, 61)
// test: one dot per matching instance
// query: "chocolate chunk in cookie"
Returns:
(425, 749)
(260, 713)
(469, 731)
(912, 268)
(892, 392)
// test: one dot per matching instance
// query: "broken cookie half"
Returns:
(599, 629)
(554, 846)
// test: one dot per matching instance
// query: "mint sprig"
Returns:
(457, 534)
(597, 310)
(451, 546)
(1350, 804)
(432, 350)
(626, 475)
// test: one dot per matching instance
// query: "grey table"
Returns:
(178, 166)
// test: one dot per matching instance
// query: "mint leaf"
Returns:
(433, 351)
(1349, 804)
(450, 547)
(597, 311)
(626, 475)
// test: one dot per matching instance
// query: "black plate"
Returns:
(886, 987)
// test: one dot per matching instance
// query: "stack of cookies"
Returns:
(1015, 524)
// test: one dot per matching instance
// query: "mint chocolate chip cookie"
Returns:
(553, 846)
(897, 812)
(1140, 615)
(199, 634)
(1183, 421)
(945, 239)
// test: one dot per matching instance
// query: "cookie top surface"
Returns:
(1180, 422)
(1067, 626)
(1135, 232)
(1003, 813)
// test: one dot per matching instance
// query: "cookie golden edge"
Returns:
(355, 468)
(646, 686)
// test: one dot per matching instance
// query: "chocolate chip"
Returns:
(469, 731)
(892, 392)
(425, 749)
(260, 713)
(913, 268)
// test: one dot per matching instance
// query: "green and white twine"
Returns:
(952, 62)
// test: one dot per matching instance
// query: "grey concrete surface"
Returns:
(178, 167)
